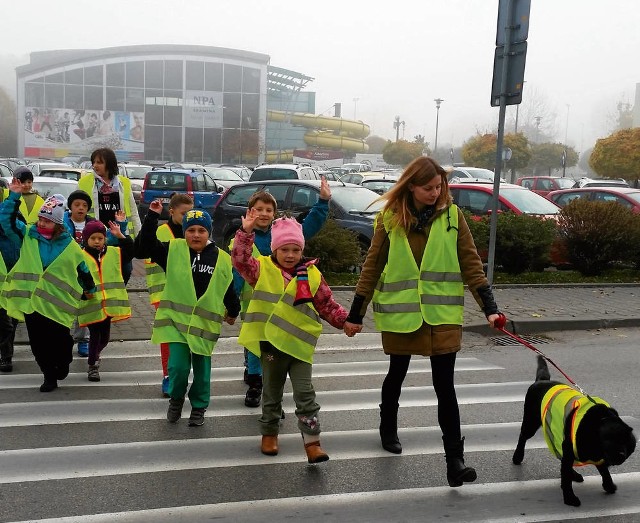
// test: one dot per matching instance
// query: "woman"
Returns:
(421, 254)
(110, 193)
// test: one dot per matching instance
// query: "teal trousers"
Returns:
(181, 359)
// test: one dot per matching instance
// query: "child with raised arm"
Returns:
(282, 325)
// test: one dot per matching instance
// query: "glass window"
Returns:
(172, 144)
(250, 80)
(250, 111)
(193, 144)
(240, 195)
(134, 100)
(154, 102)
(34, 95)
(153, 142)
(93, 75)
(173, 107)
(173, 74)
(231, 146)
(232, 78)
(153, 73)
(115, 98)
(279, 192)
(212, 151)
(303, 198)
(250, 149)
(74, 76)
(210, 185)
(212, 76)
(231, 112)
(57, 78)
(73, 97)
(93, 97)
(115, 74)
(135, 74)
(195, 75)
(54, 95)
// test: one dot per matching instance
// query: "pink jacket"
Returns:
(249, 268)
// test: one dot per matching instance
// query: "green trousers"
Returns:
(276, 365)
(180, 361)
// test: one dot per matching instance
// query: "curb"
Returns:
(544, 325)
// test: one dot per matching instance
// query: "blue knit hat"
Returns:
(196, 217)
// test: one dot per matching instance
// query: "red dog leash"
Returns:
(500, 323)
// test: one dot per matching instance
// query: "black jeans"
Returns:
(51, 344)
(7, 334)
(98, 339)
(442, 369)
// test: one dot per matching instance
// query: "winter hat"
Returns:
(23, 174)
(53, 209)
(196, 217)
(92, 227)
(78, 195)
(286, 230)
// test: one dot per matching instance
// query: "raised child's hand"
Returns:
(115, 229)
(121, 216)
(325, 190)
(15, 186)
(249, 221)
(156, 206)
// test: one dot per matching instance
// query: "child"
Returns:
(46, 283)
(9, 253)
(265, 206)
(179, 204)
(191, 310)
(31, 201)
(111, 302)
(292, 295)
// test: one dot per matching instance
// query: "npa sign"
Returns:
(203, 109)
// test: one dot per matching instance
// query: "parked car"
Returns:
(377, 181)
(284, 171)
(224, 176)
(350, 206)
(543, 185)
(136, 173)
(470, 174)
(626, 196)
(600, 182)
(162, 183)
(36, 167)
(5, 170)
(241, 170)
(68, 173)
(12, 163)
(46, 186)
(356, 167)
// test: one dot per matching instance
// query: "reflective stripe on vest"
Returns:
(154, 274)
(406, 295)
(272, 317)
(560, 404)
(3, 279)
(183, 318)
(111, 298)
(54, 292)
(87, 184)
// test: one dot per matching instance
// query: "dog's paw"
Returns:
(518, 456)
(609, 487)
(576, 477)
(571, 499)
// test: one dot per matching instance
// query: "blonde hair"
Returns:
(419, 172)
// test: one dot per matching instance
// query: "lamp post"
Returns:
(438, 101)
(355, 107)
(537, 119)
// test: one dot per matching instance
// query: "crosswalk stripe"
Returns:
(219, 374)
(91, 411)
(532, 501)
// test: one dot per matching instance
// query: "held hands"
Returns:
(351, 329)
(228, 319)
(249, 220)
(325, 190)
(156, 206)
(89, 295)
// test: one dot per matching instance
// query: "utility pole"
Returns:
(438, 101)
(396, 125)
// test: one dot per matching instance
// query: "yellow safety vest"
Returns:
(54, 292)
(406, 295)
(111, 299)
(153, 272)
(272, 317)
(31, 217)
(247, 290)
(183, 318)
(3, 279)
(560, 403)
(87, 183)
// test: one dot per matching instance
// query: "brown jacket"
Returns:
(427, 340)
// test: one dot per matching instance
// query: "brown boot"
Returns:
(315, 454)
(269, 445)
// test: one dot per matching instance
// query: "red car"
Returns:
(543, 185)
(626, 196)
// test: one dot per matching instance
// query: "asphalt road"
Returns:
(105, 452)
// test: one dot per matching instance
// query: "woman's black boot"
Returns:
(389, 428)
(457, 472)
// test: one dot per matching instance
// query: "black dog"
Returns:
(600, 438)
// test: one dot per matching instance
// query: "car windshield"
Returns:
(60, 173)
(356, 199)
(223, 174)
(273, 173)
(47, 188)
(137, 173)
(565, 183)
(484, 174)
(529, 202)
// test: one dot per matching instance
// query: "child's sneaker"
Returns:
(92, 373)
(197, 417)
(83, 348)
(174, 412)
(165, 386)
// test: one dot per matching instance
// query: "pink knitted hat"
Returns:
(284, 231)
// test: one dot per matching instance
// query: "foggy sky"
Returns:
(394, 57)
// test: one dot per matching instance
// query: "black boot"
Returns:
(389, 428)
(457, 473)
(254, 393)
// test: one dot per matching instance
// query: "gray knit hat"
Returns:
(53, 209)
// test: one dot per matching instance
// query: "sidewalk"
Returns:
(530, 308)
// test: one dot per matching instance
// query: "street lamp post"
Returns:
(438, 101)
(537, 119)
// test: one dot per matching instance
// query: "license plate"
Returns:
(165, 200)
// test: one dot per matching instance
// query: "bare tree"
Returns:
(537, 116)
(8, 131)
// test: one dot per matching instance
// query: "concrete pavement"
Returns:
(530, 309)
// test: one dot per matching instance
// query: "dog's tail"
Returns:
(542, 373)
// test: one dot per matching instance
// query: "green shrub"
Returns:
(479, 228)
(336, 248)
(597, 234)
